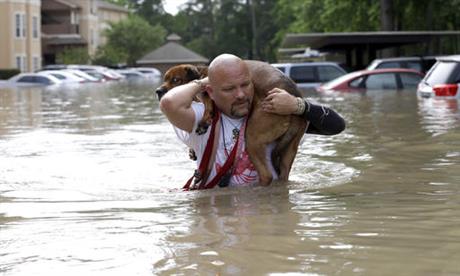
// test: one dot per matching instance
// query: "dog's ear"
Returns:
(192, 73)
(203, 71)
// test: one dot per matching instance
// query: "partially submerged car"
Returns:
(378, 79)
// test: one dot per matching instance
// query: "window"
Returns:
(93, 6)
(357, 83)
(410, 80)
(381, 81)
(389, 65)
(327, 73)
(24, 63)
(36, 63)
(24, 25)
(26, 79)
(19, 62)
(301, 74)
(416, 65)
(17, 25)
(42, 80)
(20, 23)
(446, 72)
(35, 27)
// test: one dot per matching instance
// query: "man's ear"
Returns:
(210, 91)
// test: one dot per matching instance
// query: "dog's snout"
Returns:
(161, 91)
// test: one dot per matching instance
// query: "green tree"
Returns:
(107, 55)
(134, 37)
(73, 56)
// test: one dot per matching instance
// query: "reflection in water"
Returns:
(439, 115)
(90, 178)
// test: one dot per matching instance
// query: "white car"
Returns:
(131, 74)
(443, 79)
(109, 74)
(82, 74)
(64, 76)
(34, 78)
(149, 72)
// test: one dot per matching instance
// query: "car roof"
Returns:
(382, 71)
(20, 75)
(390, 70)
(404, 58)
(313, 63)
(455, 58)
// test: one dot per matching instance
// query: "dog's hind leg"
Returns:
(289, 151)
(257, 153)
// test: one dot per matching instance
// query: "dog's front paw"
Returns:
(202, 128)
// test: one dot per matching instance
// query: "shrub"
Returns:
(8, 73)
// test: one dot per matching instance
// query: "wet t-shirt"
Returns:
(243, 172)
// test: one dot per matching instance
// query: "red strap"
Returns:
(222, 170)
(206, 155)
(204, 164)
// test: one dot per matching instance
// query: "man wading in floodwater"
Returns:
(229, 86)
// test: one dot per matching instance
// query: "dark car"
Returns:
(443, 80)
(422, 64)
(395, 79)
(311, 74)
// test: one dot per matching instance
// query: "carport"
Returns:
(359, 48)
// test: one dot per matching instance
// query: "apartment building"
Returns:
(76, 23)
(33, 32)
(20, 40)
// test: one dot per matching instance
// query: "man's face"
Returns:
(232, 90)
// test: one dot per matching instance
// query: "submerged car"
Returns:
(65, 77)
(443, 79)
(310, 74)
(34, 79)
(395, 79)
(422, 64)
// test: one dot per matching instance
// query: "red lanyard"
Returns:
(199, 174)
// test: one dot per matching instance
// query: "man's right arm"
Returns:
(177, 104)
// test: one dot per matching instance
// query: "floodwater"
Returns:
(90, 181)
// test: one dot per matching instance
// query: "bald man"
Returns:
(230, 87)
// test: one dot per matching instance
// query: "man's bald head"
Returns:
(230, 86)
(222, 64)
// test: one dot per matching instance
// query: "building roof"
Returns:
(377, 40)
(359, 47)
(110, 6)
(68, 4)
(172, 52)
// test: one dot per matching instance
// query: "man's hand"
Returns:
(281, 102)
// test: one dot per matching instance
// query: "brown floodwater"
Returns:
(90, 181)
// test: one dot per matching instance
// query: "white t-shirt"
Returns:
(244, 173)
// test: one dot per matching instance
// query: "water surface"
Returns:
(90, 178)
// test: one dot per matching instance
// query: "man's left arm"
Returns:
(323, 120)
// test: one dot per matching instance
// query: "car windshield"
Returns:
(59, 76)
(443, 72)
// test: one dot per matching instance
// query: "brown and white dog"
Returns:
(263, 128)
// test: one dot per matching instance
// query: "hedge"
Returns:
(8, 73)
